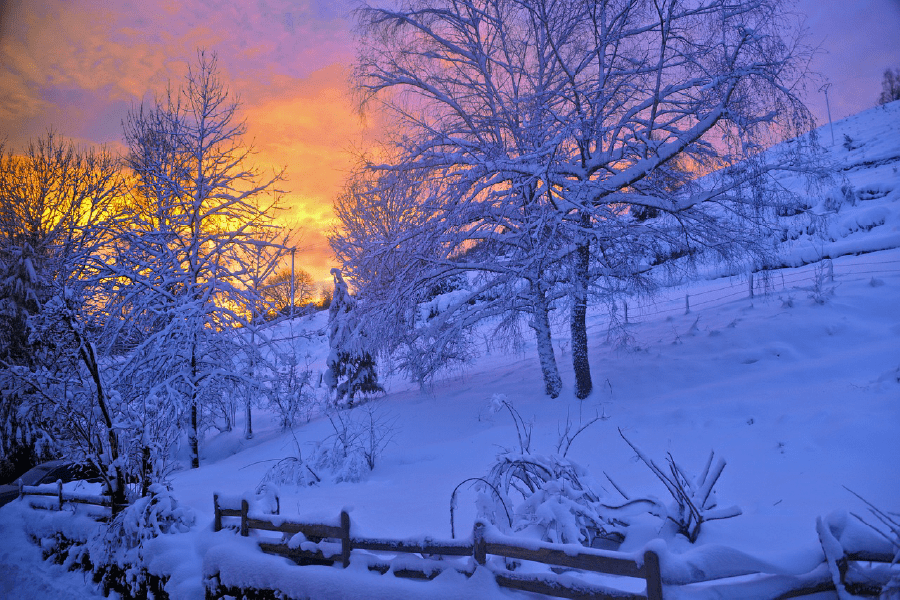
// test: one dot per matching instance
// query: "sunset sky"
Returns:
(78, 66)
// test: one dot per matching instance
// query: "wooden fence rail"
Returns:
(332, 543)
(644, 567)
(63, 497)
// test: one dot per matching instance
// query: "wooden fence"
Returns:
(335, 543)
(63, 497)
(644, 567)
(854, 571)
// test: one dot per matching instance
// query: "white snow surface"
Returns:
(797, 388)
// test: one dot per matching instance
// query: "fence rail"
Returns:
(332, 543)
(63, 497)
(323, 550)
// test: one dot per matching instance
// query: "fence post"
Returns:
(345, 538)
(59, 492)
(651, 573)
(750, 279)
(277, 505)
(479, 549)
(21, 487)
(687, 304)
(217, 512)
(245, 507)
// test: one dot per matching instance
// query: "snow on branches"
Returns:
(351, 366)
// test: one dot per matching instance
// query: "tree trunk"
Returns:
(194, 433)
(193, 437)
(541, 325)
(116, 483)
(248, 414)
(248, 425)
(146, 470)
(583, 384)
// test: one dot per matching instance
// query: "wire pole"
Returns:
(824, 88)
(293, 250)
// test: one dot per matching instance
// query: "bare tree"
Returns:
(261, 259)
(890, 86)
(277, 290)
(184, 265)
(569, 137)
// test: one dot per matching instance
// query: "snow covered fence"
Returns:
(325, 544)
(60, 496)
(855, 560)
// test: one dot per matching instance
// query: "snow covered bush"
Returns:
(117, 550)
(547, 497)
(359, 437)
(694, 500)
(887, 528)
(552, 498)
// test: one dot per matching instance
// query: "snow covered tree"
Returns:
(351, 367)
(555, 128)
(58, 215)
(408, 234)
(385, 246)
(182, 284)
(73, 392)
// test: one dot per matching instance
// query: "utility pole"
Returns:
(824, 88)
(293, 251)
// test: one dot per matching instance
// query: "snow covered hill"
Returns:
(792, 377)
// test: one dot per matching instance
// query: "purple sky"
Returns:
(80, 65)
(859, 39)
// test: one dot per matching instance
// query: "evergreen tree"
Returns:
(351, 367)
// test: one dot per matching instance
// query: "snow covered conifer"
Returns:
(351, 367)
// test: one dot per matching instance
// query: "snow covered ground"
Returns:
(797, 387)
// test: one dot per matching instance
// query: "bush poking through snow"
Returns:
(888, 527)
(548, 497)
(551, 498)
(823, 282)
(360, 436)
(694, 499)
